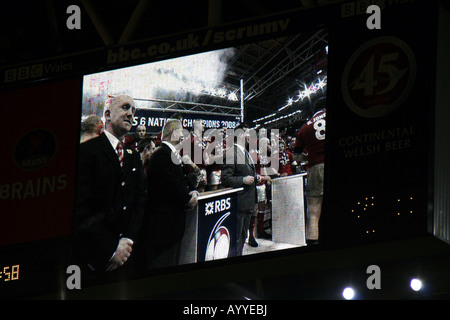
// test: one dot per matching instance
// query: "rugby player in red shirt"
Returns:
(311, 136)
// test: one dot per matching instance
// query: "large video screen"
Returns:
(214, 154)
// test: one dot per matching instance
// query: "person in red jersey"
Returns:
(286, 159)
(263, 162)
(189, 146)
(311, 136)
(196, 159)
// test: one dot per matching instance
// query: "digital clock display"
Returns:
(9, 273)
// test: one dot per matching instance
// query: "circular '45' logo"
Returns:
(378, 76)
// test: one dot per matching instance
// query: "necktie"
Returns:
(119, 150)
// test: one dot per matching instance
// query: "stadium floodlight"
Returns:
(348, 293)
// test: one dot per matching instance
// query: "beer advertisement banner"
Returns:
(217, 226)
(378, 136)
(39, 154)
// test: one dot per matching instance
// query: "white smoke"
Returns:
(181, 79)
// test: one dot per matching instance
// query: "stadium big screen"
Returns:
(268, 73)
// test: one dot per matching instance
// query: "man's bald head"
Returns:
(118, 113)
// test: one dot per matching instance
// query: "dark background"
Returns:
(36, 30)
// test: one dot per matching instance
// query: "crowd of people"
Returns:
(134, 189)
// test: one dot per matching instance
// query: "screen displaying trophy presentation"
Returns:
(252, 140)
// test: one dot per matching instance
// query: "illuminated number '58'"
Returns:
(11, 275)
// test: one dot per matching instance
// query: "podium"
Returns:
(288, 210)
(210, 232)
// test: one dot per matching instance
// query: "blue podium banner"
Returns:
(216, 237)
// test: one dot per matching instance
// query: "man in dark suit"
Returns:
(239, 171)
(111, 192)
(169, 197)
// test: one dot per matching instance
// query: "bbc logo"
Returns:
(360, 7)
(24, 73)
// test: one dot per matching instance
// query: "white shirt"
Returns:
(112, 139)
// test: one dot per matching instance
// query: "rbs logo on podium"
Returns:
(217, 206)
